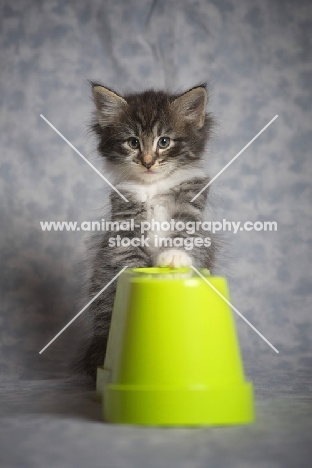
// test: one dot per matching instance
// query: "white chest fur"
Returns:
(145, 192)
(158, 209)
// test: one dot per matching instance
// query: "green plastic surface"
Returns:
(173, 356)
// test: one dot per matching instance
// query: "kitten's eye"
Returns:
(134, 143)
(163, 142)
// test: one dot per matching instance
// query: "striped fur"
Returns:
(161, 192)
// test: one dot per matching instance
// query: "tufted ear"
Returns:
(108, 104)
(191, 105)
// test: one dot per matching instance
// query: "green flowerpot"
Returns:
(172, 355)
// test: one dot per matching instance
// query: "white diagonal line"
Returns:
(82, 310)
(235, 157)
(237, 311)
(82, 156)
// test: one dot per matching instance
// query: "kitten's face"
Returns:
(150, 135)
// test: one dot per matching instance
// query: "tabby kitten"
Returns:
(154, 144)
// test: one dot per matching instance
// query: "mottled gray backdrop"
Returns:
(257, 57)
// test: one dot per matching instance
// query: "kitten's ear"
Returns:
(108, 104)
(192, 105)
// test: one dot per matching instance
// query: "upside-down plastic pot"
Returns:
(173, 356)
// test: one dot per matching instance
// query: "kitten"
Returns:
(154, 143)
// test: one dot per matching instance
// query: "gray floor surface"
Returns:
(57, 424)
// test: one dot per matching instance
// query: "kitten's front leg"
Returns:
(182, 210)
(172, 258)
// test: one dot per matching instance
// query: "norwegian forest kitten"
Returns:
(154, 144)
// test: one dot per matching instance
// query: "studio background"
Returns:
(257, 59)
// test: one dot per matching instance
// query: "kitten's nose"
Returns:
(148, 164)
(148, 160)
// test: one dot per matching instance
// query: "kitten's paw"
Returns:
(174, 259)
